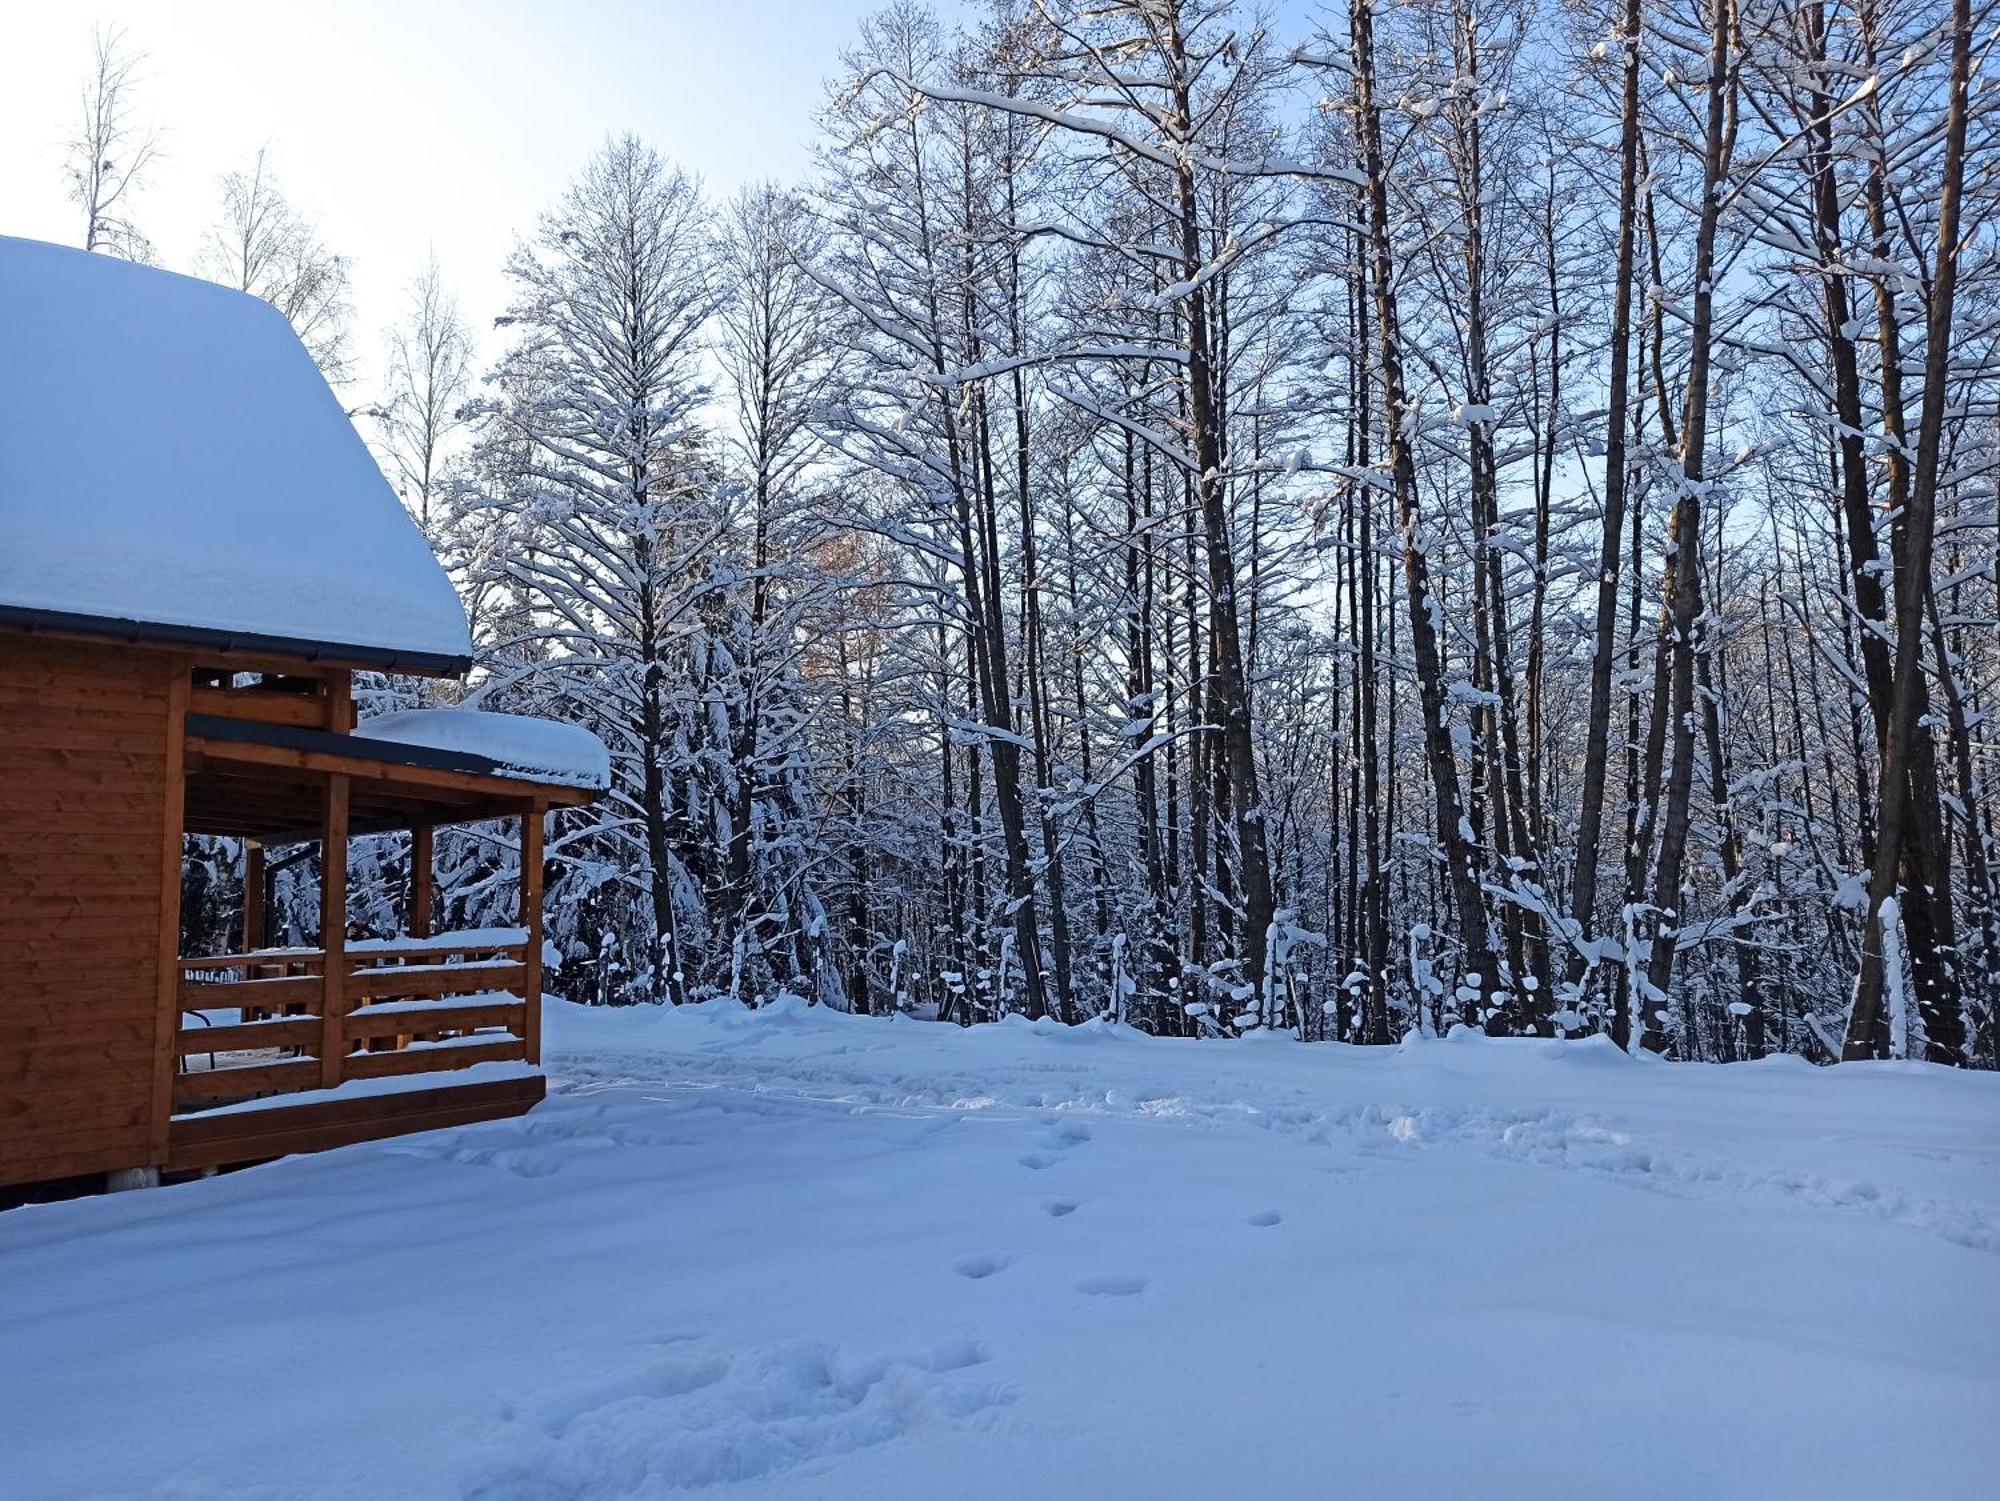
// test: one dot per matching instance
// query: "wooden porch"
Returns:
(283, 1050)
(287, 1049)
(188, 669)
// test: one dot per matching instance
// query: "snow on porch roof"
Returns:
(538, 750)
(173, 466)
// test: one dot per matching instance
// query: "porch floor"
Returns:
(361, 1110)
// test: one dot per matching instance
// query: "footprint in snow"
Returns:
(660, 1381)
(1038, 1161)
(1055, 1209)
(738, 1418)
(1111, 1287)
(956, 1355)
(521, 1161)
(1265, 1218)
(982, 1264)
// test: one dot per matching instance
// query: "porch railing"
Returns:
(256, 1024)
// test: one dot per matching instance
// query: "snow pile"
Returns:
(169, 454)
(540, 750)
(791, 1254)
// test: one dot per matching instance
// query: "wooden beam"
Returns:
(279, 990)
(361, 1025)
(224, 1086)
(287, 1032)
(365, 769)
(253, 895)
(296, 962)
(333, 931)
(364, 961)
(531, 919)
(167, 973)
(306, 711)
(278, 809)
(458, 1055)
(252, 1135)
(427, 982)
(418, 923)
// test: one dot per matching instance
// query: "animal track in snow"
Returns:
(1061, 1138)
(1263, 1219)
(1111, 1287)
(983, 1264)
(1056, 1209)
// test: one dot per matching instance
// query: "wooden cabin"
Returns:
(197, 555)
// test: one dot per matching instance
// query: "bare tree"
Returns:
(260, 244)
(1944, 1026)
(1153, 90)
(1479, 980)
(1685, 623)
(108, 158)
(1597, 732)
(430, 374)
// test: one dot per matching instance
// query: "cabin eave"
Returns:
(231, 645)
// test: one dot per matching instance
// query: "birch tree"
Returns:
(111, 154)
(426, 404)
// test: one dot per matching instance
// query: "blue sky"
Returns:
(403, 126)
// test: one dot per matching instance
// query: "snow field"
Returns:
(793, 1254)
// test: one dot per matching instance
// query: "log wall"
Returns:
(89, 893)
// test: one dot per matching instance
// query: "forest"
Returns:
(1446, 512)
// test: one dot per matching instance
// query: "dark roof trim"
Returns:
(355, 747)
(386, 659)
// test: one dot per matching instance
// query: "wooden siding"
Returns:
(88, 904)
(95, 776)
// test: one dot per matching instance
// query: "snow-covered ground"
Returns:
(791, 1254)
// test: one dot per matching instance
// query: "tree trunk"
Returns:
(1943, 1024)
(1477, 964)
(1684, 617)
(1597, 733)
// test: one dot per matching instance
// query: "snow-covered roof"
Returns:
(536, 750)
(172, 463)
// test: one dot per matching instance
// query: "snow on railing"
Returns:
(269, 1022)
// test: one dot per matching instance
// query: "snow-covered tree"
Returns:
(607, 530)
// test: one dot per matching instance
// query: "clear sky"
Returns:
(425, 123)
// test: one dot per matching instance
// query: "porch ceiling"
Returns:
(265, 782)
(275, 805)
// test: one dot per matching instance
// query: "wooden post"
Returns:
(333, 932)
(167, 1015)
(531, 919)
(340, 710)
(418, 925)
(253, 895)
